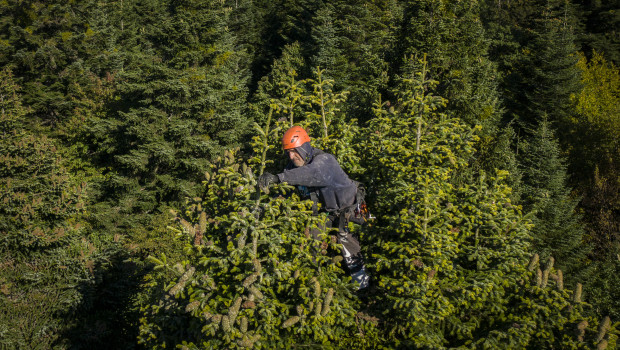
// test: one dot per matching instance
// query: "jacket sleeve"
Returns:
(316, 174)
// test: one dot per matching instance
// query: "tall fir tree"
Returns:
(368, 35)
(247, 22)
(534, 44)
(326, 46)
(558, 230)
(43, 44)
(555, 77)
(283, 86)
(177, 87)
(449, 260)
(451, 34)
(285, 22)
(46, 256)
(600, 206)
(178, 100)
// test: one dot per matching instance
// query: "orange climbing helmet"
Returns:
(294, 137)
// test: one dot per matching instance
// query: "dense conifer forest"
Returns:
(132, 134)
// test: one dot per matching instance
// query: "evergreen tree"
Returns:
(42, 43)
(595, 128)
(600, 22)
(600, 205)
(283, 87)
(542, 79)
(419, 236)
(285, 23)
(180, 90)
(253, 276)
(450, 262)
(554, 73)
(534, 44)
(247, 22)
(367, 33)
(45, 255)
(557, 231)
(356, 37)
(501, 153)
(451, 34)
(176, 89)
(327, 55)
(334, 133)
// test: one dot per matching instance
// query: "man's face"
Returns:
(295, 157)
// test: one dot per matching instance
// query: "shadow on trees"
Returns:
(107, 317)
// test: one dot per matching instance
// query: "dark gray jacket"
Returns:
(323, 174)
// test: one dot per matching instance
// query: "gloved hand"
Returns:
(267, 179)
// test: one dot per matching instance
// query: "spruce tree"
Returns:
(46, 257)
(557, 231)
(367, 33)
(334, 132)
(553, 65)
(43, 44)
(286, 22)
(253, 275)
(247, 22)
(176, 104)
(451, 34)
(600, 206)
(283, 87)
(327, 50)
(449, 259)
(534, 45)
(426, 253)
(176, 86)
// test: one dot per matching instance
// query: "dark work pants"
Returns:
(351, 251)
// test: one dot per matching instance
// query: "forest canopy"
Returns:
(133, 134)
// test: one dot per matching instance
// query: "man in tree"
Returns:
(319, 176)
